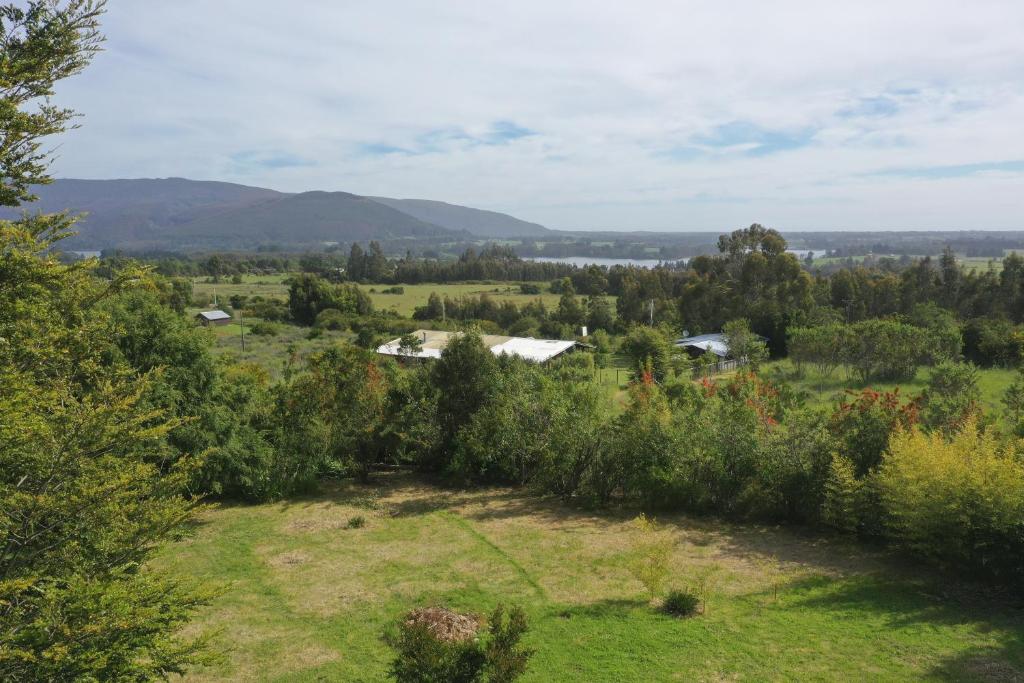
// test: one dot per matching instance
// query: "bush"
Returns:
(652, 555)
(680, 603)
(265, 329)
(436, 645)
(644, 344)
(952, 396)
(392, 290)
(958, 501)
(331, 319)
(357, 522)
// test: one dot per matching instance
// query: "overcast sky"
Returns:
(576, 114)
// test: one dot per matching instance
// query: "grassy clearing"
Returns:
(307, 599)
(417, 295)
(273, 286)
(271, 352)
(824, 391)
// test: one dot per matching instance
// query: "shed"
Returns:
(704, 343)
(216, 317)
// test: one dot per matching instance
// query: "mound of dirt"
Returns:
(444, 624)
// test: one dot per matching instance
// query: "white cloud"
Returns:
(576, 114)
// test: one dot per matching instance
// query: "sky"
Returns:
(577, 114)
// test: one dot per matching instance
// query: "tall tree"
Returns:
(83, 501)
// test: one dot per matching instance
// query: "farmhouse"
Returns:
(217, 317)
(433, 343)
(704, 343)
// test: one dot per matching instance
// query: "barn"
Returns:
(216, 317)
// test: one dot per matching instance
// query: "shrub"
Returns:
(505, 660)
(863, 425)
(644, 344)
(952, 396)
(958, 501)
(680, 603)
(529, 288)
(331, 319)
(265, 329)
(357, 522)
(436, 645)
(651, 556)
(392, 290)
(842, 489)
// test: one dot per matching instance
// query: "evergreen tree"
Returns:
(83, 502)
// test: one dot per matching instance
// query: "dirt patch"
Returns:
(289, 559)
(444, 624)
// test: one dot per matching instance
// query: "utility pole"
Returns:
(241, 328)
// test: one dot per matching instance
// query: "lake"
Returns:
(596, 261)
(582, 261)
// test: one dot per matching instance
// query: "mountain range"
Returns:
(182, 214)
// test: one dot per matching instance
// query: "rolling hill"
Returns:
(455, 217)
(181, 214)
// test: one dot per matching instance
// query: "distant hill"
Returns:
(307, 218)
(176, 213)
(455, 217)
(125, 213)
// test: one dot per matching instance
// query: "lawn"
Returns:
(307, 599)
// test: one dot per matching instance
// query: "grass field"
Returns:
(307, 599)
(271, 352)
(992, 382)
(272, 286)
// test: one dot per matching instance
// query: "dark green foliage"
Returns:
(309, 295)
(423, 658)
(680, 603)
(265, 329)
(85, 498)
(645, 345)
(743, 344)
(505, 660)
(465, 379)
(864, 423)
(357, 522)
(331, 319)
(951, 398)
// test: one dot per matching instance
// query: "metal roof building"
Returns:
(705, 343)
(434, 341)
(216, 317)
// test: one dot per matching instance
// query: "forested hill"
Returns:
(177, 213)
(475, 221)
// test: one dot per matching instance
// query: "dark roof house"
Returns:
(216, 317)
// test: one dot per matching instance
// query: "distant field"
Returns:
(403, 304)
(307, 599)
(417, 295)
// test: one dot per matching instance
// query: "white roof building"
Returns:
(433, 343)
(705, 343)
